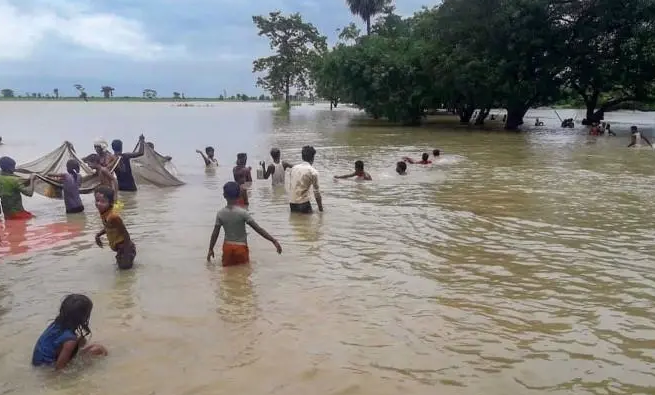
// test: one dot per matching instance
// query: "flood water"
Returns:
(518, 264)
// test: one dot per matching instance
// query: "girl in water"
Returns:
(67, 335)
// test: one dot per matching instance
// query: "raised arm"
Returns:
(142, 146)
(207, 161)
(408, 160)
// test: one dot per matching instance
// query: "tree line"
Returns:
(468, 55)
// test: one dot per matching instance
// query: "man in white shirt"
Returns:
(303, 177)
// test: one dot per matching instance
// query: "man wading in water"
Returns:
(303, 177)
(124, 169)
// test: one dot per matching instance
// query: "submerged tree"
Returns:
(296, 45)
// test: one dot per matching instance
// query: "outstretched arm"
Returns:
(28, 190)
(286, 165)
(255, 226)
(408, 160)
(346, 176)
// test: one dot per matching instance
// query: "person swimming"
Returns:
(636, 137)
(359, 173)
(208, 157)
(275, 170)
(425, 160)
(67, 335)
(436, 154)
(117, 235)
(234, 219)
(11, 190)
(401, 168)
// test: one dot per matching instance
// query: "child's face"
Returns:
(102, 204)
(210, 153)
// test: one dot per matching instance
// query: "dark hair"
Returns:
(436, 152)
(402, 165)
(231, 190)
(275, 153)
(359, 165)
(73, 167)
(117, 145)
(207, 149)
(107, 192)
(426, 156)
(633, 127)
(7, 164)
(308, 153)
(74, 314)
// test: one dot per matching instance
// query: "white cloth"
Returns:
(302, 178)
(101, 143)
(277, 178)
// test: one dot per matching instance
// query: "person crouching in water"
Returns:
(234, 219)
(67, 335)
(359, 173)
(401, 168)
(11, 189)
(117, 235)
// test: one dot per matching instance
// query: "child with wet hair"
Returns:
(401, 168)
(208, 157)
(71, 182)
(117, 235)
(234, 219)
(61, 340)
(105, 176)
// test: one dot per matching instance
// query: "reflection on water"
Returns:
(517, 263)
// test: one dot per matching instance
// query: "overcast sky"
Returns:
(199, 47)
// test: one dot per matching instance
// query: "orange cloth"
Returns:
(113, 226)
(235, 254)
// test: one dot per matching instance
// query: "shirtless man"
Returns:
(104, 175)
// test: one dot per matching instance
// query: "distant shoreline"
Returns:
(129, 99)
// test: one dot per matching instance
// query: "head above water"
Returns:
(7, 164)
(425, 157)
(72, 166)
(231, 191)
(242, 159)
(209, 151)
(75, 314)
(401, 167)
(275, 154)
(436, 152)
(117, 146)
(308, 153)
(100, 146)
(359, 165)
(105, 197)
(633, 128)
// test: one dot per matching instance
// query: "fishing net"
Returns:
(154, 168)
(55, 163)
(151, 168)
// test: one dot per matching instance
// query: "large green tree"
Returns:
(107, 91)
(296, 45)
(7, 92)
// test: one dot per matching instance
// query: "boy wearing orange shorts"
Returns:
(234, 219)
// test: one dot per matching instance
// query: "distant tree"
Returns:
(367, 9)
(33, 95)
(7, 93)
(238, 96)
(81, 91)
(244, 97)
(262, 97)
(183, 97)
(56, 92)
(176, 95)
(149, 94)
(47, 96)
(221, 97)
(27, 94)
(232, 98)
(38, 95)
(107, 91)
(296, 45)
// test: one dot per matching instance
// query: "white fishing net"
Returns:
(151, 168)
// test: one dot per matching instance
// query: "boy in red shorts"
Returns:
(234, 219)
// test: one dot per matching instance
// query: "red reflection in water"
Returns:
(21, 236)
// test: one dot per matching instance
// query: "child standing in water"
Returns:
(209, 159)
(234, 219)
(359, 173)
(117, 235)
(105, 176)
(71, 182)
(243, 172)
(276, 169)
(62, 339)
(11, 190)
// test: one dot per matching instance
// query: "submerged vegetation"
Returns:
(468, 55)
